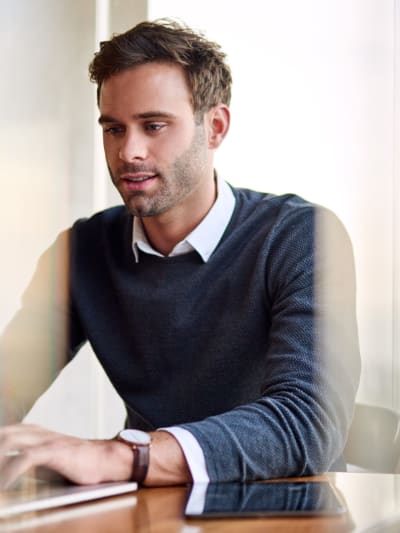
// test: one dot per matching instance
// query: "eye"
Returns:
(113, 130)
(154, 126)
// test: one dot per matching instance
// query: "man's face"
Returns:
(157, 155)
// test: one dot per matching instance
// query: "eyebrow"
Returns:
(148, 114)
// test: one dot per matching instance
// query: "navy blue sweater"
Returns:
(254, 352)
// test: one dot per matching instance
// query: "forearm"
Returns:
(274, 437)
(298, 427)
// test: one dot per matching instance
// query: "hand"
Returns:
(25, 447)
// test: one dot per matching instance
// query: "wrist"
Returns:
(139, 444)
(168, 464)
(122, 459)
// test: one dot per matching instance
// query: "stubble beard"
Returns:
(174, 185)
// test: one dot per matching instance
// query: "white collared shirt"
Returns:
(203, 239)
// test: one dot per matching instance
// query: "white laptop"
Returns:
(36, 495)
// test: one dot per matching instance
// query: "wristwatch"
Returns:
(139, 441)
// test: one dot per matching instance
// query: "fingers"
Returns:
(19, 436)
(25, 447)
(17, 439)
(22, 447)
(11, 469)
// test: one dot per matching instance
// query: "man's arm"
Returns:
(299, 424)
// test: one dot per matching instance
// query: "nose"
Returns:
(133, 147)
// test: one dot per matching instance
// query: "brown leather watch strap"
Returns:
(141, 454)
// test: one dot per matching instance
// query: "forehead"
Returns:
(150, 86)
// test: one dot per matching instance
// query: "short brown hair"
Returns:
(164, 40)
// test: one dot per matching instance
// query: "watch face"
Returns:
(135, 436)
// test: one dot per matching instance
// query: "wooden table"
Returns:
(373, 502)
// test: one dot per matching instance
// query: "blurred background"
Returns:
(315, 112)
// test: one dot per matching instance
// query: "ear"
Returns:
(217, 121)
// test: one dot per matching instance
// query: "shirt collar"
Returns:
(204, 238)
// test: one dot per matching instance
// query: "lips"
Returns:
(137, 181)
(137, 177)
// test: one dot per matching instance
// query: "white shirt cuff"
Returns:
(193, 453)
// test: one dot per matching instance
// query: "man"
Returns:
(223, 317)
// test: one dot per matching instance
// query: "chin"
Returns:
(140, 211)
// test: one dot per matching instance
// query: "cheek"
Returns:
(171, 147)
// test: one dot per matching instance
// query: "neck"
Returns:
(166, 230)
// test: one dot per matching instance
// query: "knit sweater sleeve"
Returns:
(298, 425)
